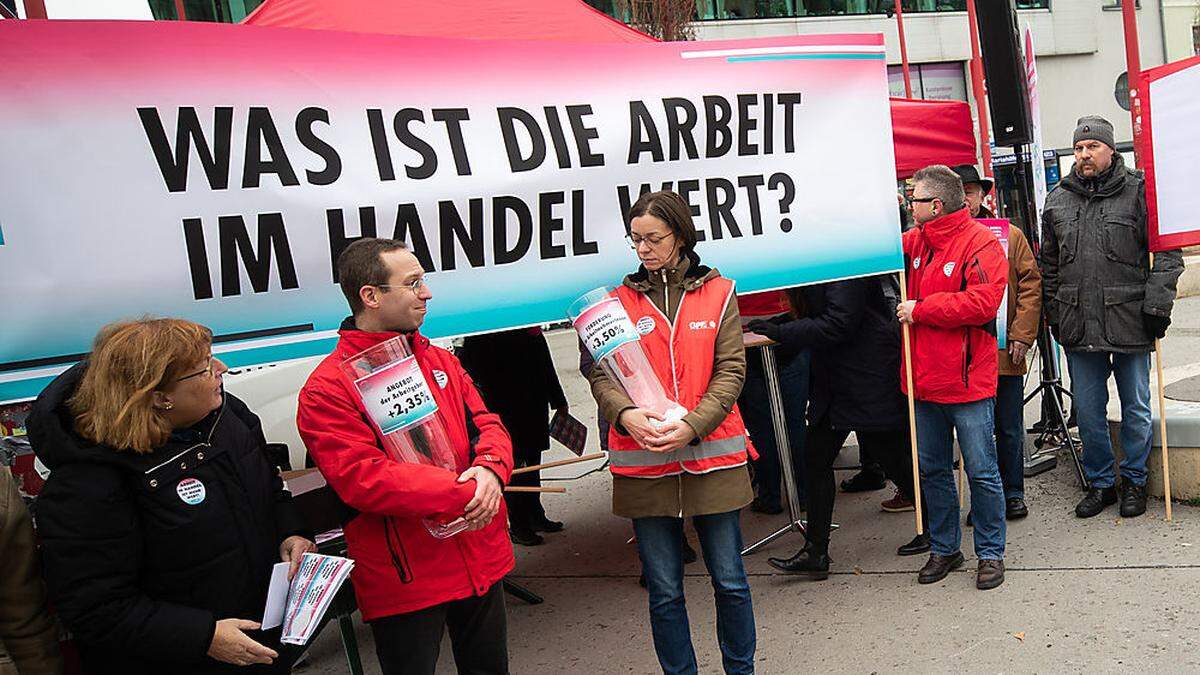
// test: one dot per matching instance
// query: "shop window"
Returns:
(935, 81)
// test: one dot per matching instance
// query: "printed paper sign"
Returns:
(605, 326)
(397, 397)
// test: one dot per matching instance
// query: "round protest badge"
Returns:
(645, 325)
(440, 377)
(191, 491)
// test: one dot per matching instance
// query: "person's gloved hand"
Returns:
(1156, 326)
(766, 328)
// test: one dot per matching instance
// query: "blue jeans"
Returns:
(659, 545)
(1010, 434)
(755, 405)
(1089, 386)
(937, 424)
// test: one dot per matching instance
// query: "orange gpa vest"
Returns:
(681, 353)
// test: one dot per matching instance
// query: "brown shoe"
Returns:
(989, 574)
(897, 504)
(938, 567)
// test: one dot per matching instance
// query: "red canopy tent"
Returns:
(924, 132)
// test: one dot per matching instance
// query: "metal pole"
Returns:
(784, 449)
(979, 91)
(903, 50)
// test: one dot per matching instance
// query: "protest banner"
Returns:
(214, 172)
(1170, 152)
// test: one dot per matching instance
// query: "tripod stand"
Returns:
(1055, 430)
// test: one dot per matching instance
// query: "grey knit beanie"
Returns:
(1095, 128)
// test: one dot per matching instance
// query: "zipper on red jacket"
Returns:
(396, 550)
(966, 354)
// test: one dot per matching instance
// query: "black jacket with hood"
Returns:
(143, 553)
(1097, 281)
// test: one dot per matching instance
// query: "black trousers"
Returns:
(409, 644)
(525, 508)
(891, 448)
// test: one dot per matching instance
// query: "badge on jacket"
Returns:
(916, 263)
(645, 325)
(948, 268)
(191, 491)
(440, 377)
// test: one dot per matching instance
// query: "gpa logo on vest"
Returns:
(948, 269)
(645, 325)
(702, 325)
(191, 491)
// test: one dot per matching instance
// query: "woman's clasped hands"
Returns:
(653, 432)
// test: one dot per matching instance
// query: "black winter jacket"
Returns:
(1096, 276)
(144, 553)
(856, 355)
(514, 372)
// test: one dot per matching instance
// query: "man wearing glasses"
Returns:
(957, 275)
(410, 586)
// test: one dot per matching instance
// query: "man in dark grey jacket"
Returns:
(1106, 305)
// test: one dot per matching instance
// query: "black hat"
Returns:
(969, 174)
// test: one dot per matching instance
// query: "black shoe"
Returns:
(1095, 501)
(769, 508)
(1133, 499)
(989, 574)
(689, 553)
(544, 524)
(809, 560)
(918, 545)
(1015, 508)
(864, 481)
(525, 537)
(938, 567)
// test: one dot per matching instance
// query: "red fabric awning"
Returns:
(925, 132)
(558, 20)
(931, 132)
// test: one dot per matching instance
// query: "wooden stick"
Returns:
(912, 412)
(530, 488)
(1162, 416)
(561, 462)
(1162, 425)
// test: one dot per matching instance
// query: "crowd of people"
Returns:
(162, 516)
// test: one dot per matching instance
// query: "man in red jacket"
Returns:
(957, 274)
(410, 585)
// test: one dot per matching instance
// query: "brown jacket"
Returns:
(27, 633)
(1024, 299)
(686, 494)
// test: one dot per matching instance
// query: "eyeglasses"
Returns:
(415, 286)
(209, 370)
(922, 200)
(634, 241)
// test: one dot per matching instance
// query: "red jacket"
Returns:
(398, 566)
(957, 273)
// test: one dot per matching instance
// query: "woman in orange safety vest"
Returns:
(665, 471)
